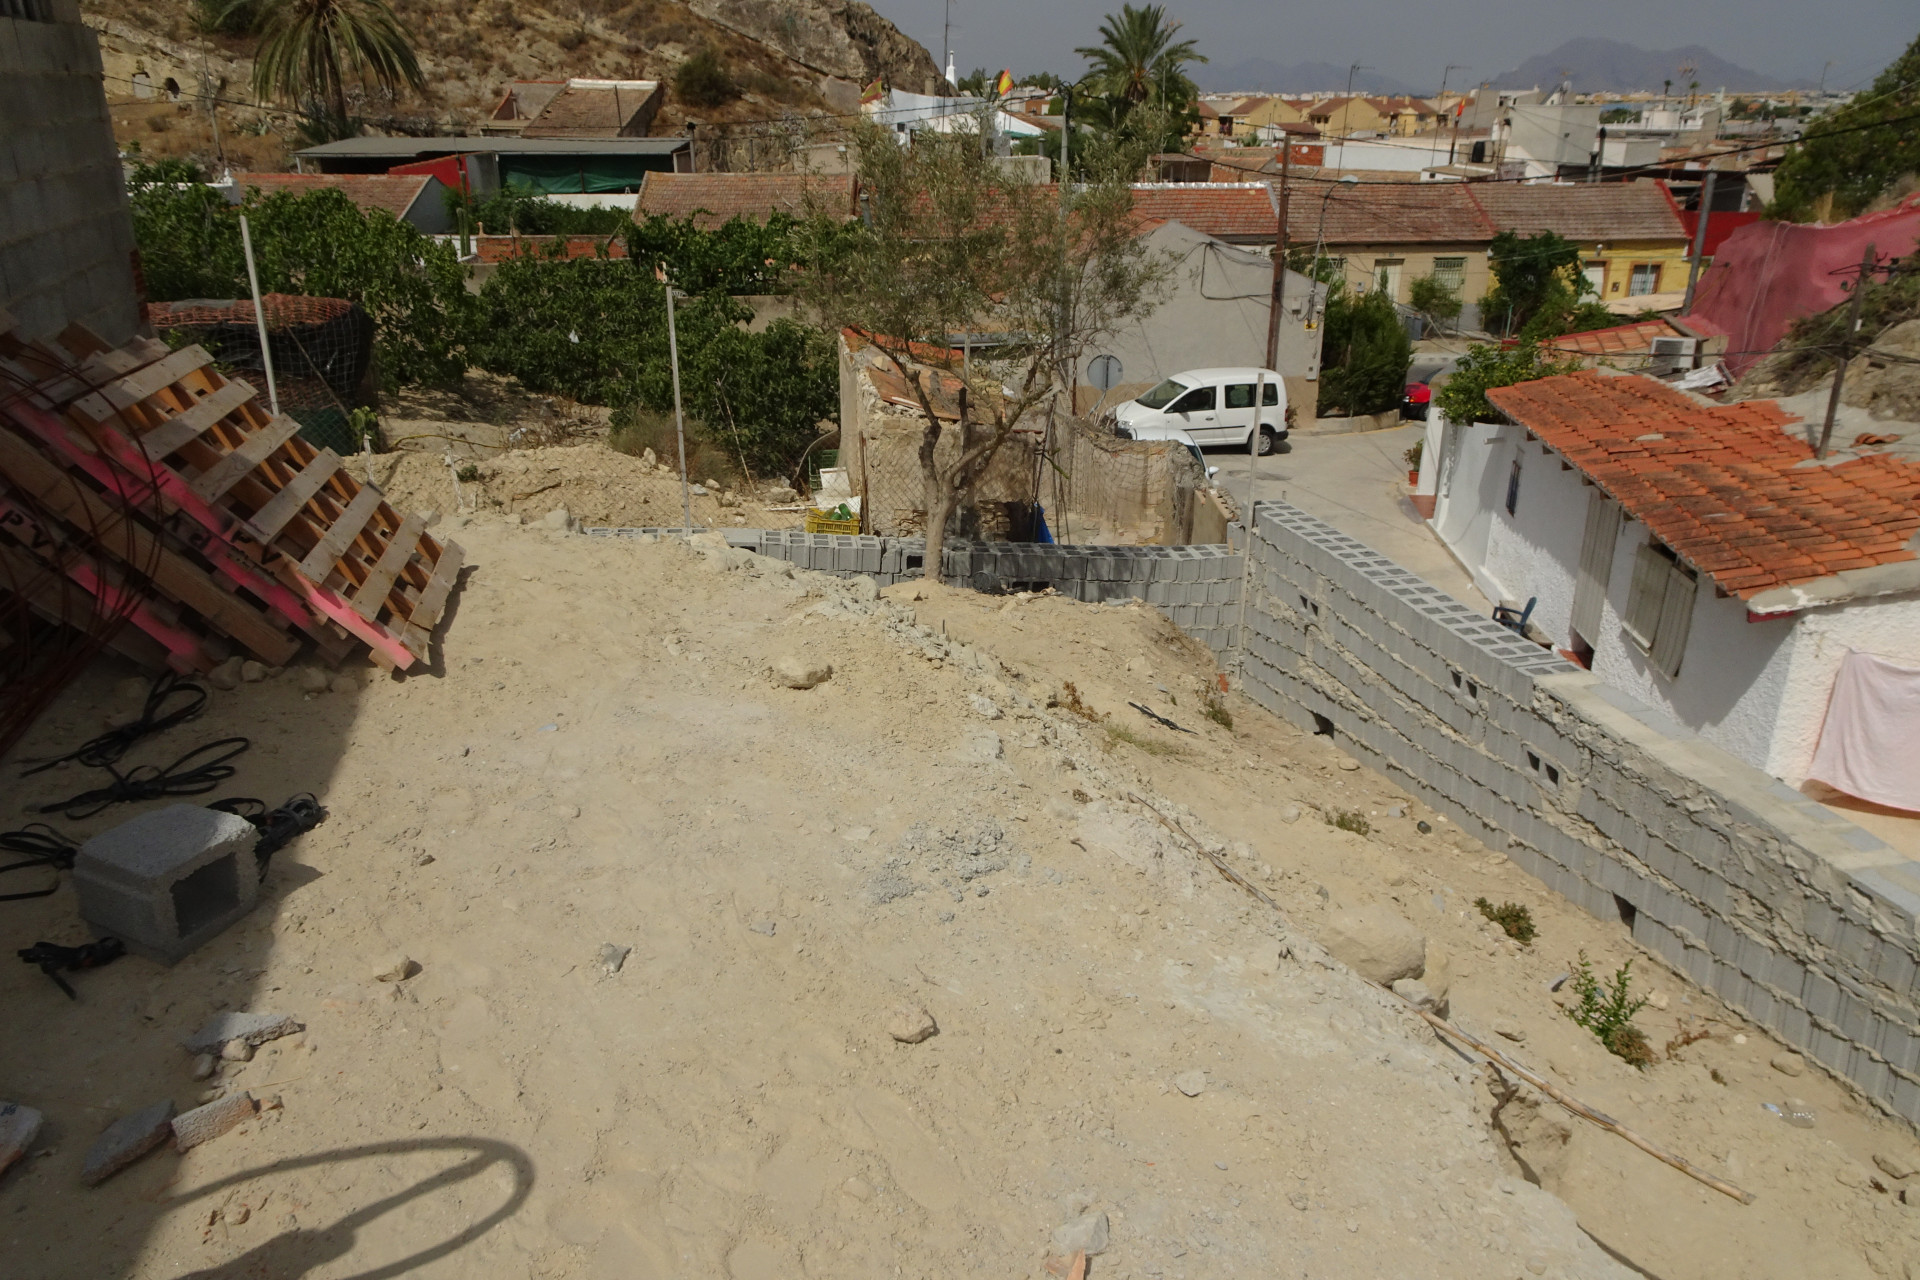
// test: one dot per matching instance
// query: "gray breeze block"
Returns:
(167, 881)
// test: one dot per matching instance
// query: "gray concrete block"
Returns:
(204, 1124)
(167, 881)
(126, 1140)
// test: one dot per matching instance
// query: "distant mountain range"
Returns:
(1595, 66)
(1262, 75)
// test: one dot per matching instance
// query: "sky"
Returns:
(1412, 42)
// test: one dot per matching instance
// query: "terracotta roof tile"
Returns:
(712, 199)
(1226, 209)
(393, 193)
(1585, 212)
(1730, 491)
(591, 109)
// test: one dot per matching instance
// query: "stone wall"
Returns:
(66, 242)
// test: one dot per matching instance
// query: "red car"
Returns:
(1414, 404)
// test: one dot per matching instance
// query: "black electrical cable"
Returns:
(105, 751)
(297, 816)
(195, 773)
(44, 847)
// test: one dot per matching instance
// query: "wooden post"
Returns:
(1699, 241)
(1846, 350)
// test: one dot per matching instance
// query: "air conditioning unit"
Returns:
(1673, 355)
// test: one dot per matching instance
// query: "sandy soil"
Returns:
(595, 484)
(602, 758)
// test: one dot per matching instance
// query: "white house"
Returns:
(1697, 557)
(907, 113)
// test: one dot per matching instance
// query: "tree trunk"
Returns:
(939, 511)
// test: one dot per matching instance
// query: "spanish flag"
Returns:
(1004, 85)
(873, 92)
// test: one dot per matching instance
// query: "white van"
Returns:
(1213, 406)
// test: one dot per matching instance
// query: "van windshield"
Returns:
(1161, 396)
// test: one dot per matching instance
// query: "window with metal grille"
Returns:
(1660, 607)
(1644, 280)
(1451, 272)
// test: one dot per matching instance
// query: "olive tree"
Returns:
(949, 242)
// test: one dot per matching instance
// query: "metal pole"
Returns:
(259, 315)
(1846, 350)
(1699, 241)
(1279, 257)
(679, 420)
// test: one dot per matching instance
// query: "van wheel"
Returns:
(1269, 441)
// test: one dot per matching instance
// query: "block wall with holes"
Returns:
(66, 240)
(1792, 915)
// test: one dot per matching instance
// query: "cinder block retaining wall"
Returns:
(1796, 917)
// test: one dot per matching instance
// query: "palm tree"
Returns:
(1137, 59)
(310, 50)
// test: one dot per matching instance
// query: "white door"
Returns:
(1386, 275)
(1198, 412)
(1596, 274)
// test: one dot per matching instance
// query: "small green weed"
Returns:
(468, 474)
(1350, 820)
(1607, 1010)
(1116, 733)
(1217, 712)
(1514, 920)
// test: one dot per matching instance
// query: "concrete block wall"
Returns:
(1796, 917)
(1197, 587)
(66, 239)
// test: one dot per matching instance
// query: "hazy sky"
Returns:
(1413, 42)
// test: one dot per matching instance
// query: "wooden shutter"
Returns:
(1647, 595)
(1676, 620)
(1596, 564)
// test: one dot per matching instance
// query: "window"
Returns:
(1596, 566)
(1195, 401)
(1513, 487)
(1660, 607)
(1644, 280)
(1162, 395)
(1270, 396)
(1451, 272)
(1240, 396)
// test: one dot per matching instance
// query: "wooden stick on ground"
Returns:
(1499, 1059)
(1580, 1108)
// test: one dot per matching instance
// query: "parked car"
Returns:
(1211, 407)
(1414, 403)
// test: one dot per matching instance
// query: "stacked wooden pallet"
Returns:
(201, 518)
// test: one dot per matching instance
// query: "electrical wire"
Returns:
(44, 847)
(300, 814)
(105, 750)
(195, 773)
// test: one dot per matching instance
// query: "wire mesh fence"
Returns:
(322, 351)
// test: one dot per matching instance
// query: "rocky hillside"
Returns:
(802, 56)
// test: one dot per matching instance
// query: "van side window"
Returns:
(1195, 401)
(1272, 395)
(1240, 395)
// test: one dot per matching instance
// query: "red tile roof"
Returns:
(1735, 496)
(1587, 211)
(1621, 340)
(1238, 209)
(713, 199)
(1405, 213)
(594, 109)
(392, 193)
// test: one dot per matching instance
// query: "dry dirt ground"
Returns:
(601, 757)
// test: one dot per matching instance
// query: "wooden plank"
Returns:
(319, 562)
(269, 520)
(253, 451)
(192, 422)
(135, 387)
(433, 601)
(373, 592)
(114, 532)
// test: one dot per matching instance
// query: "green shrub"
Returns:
(517, 209)
(1350, 820)
(1514, 920)
(1607, 1010)
(1464, 397)
(703, 80)
(1364, 354)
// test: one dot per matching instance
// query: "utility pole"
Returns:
(1441, 102)
(1699, 240)
(679, 419)
(1846, 349)
(1279, 258)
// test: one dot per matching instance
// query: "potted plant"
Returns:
(1413, 462)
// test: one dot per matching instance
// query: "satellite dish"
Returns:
(1104, 372)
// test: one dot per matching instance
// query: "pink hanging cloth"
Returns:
(1870, 743)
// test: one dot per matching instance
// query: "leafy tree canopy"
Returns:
(703, 80)
(312, 52)
(1851, 158)
(1464, 396)
(1538, 290)
(1364, 353)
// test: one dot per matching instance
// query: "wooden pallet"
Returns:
(275, 516)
